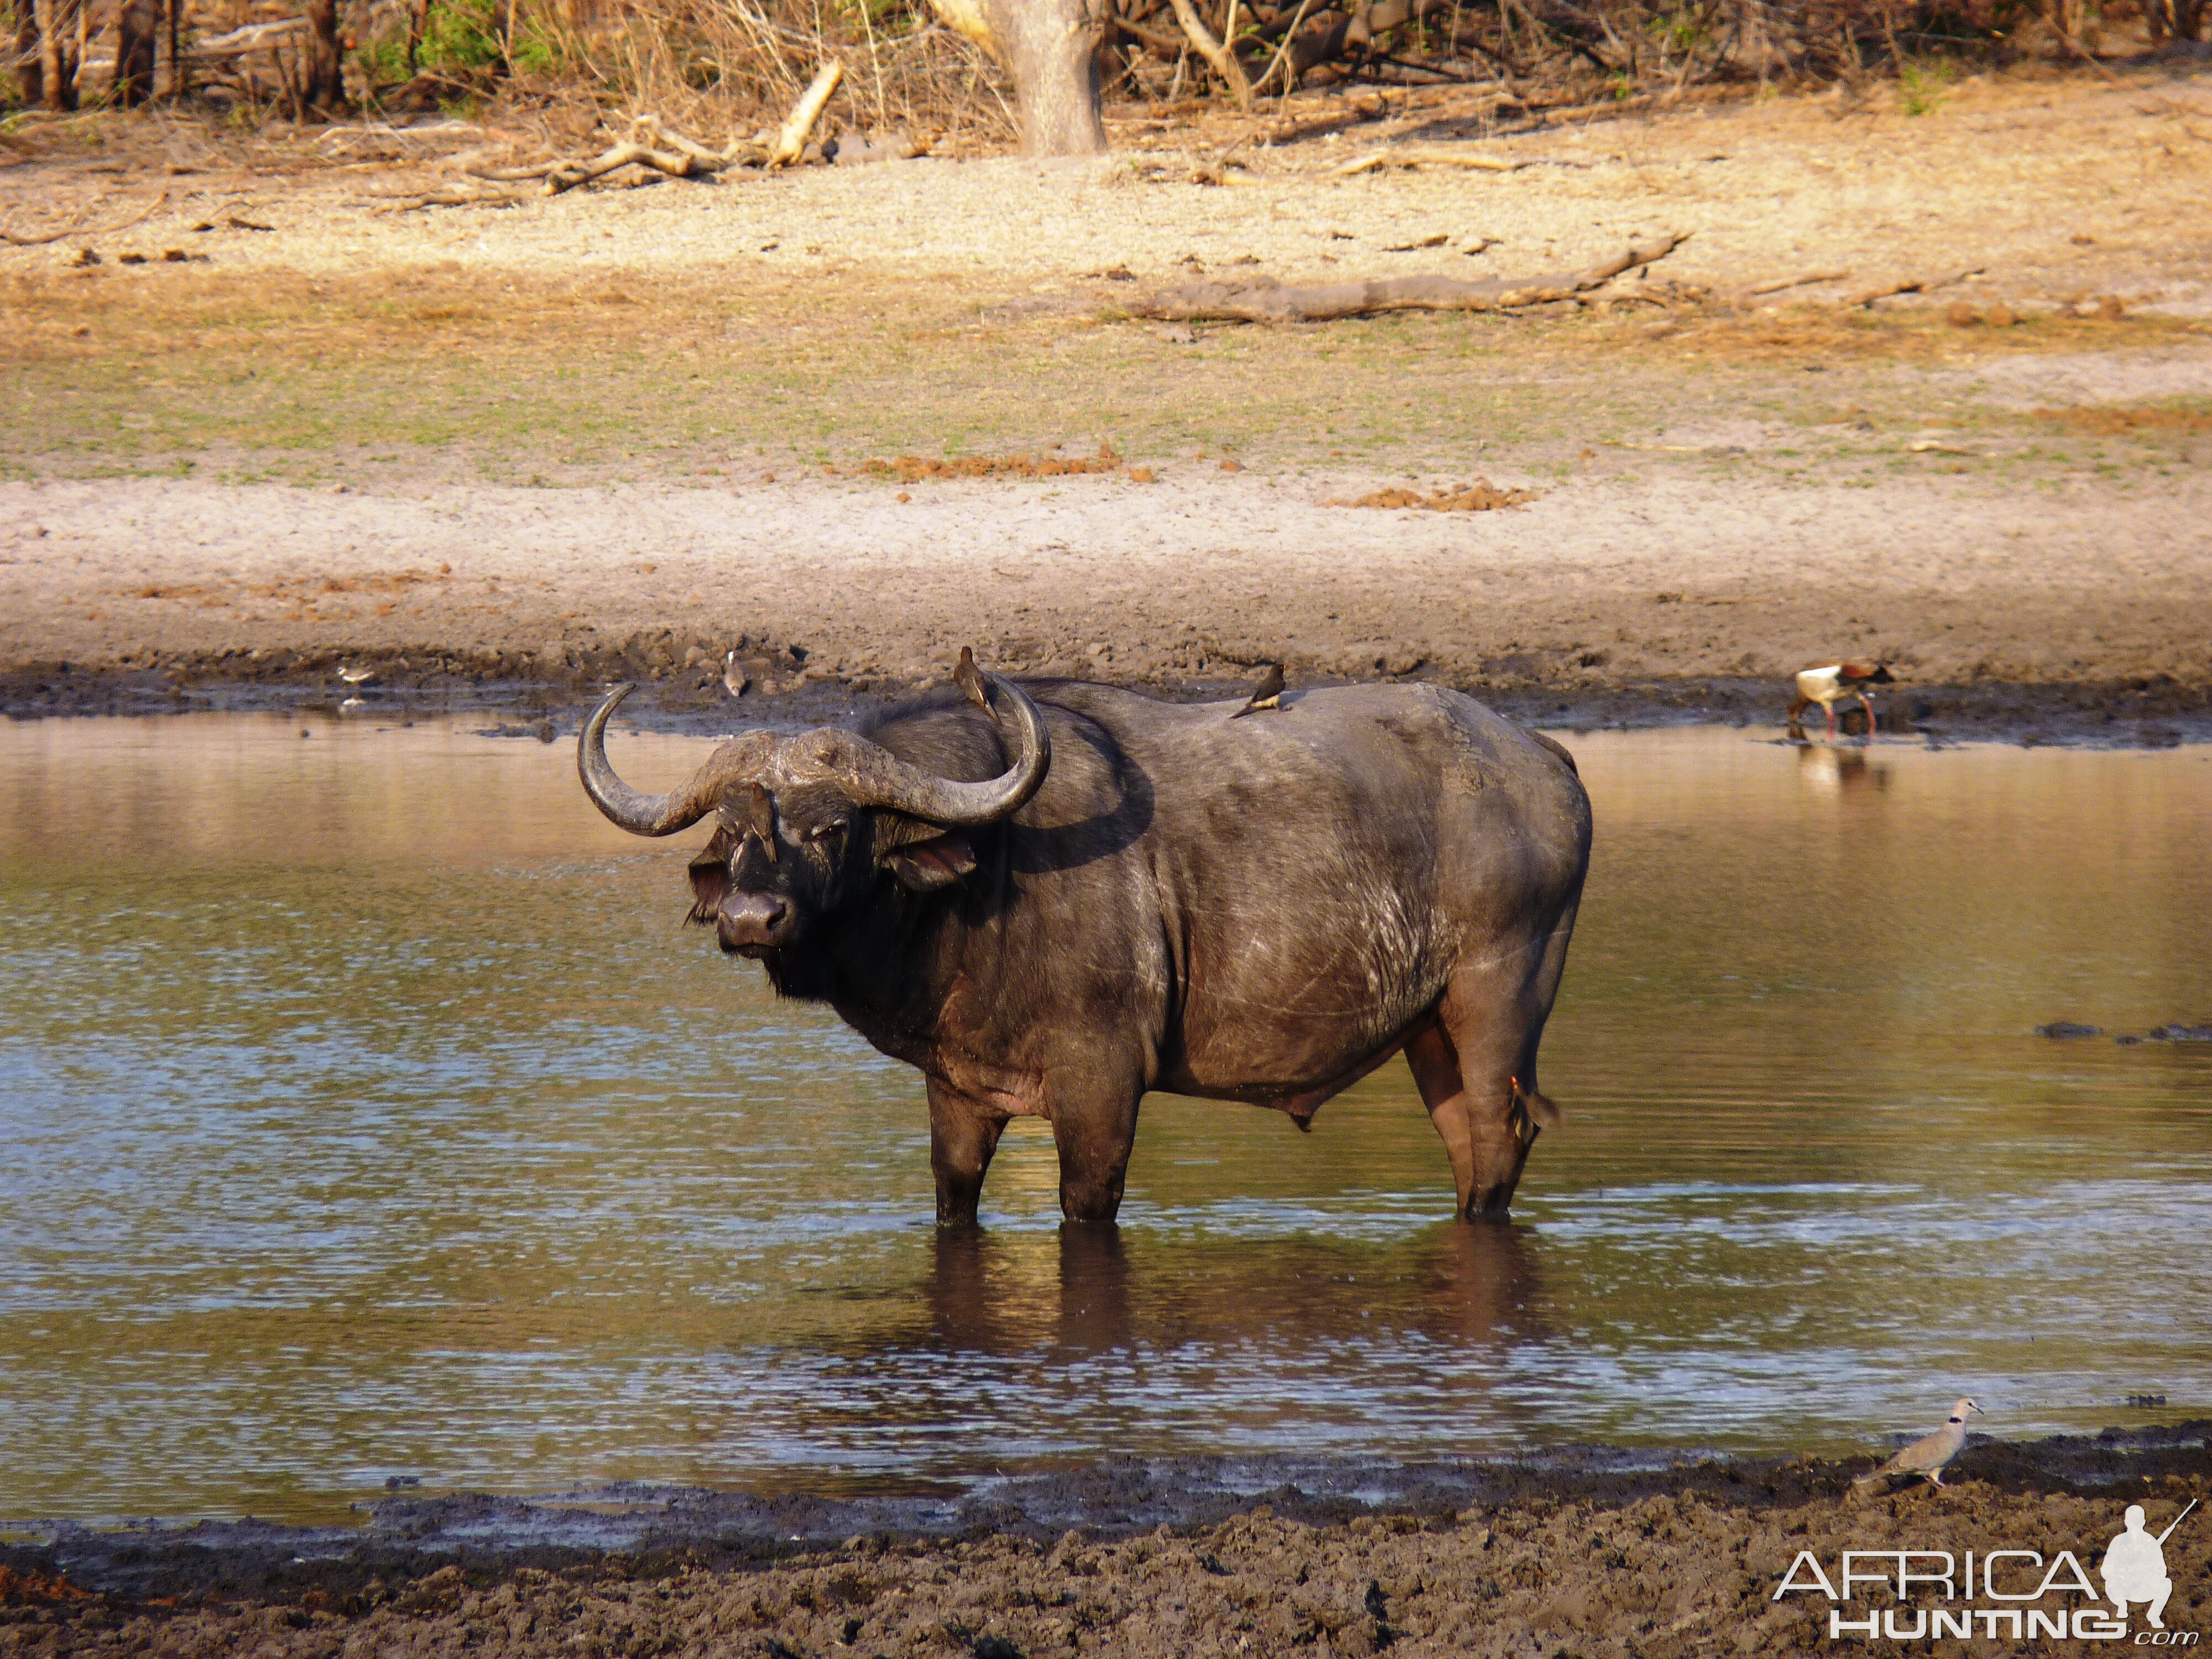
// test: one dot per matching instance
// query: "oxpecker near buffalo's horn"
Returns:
(969, 680)
(866, 773)
(760, 818)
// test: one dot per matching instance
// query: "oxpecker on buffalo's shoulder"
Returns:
(1267, 694)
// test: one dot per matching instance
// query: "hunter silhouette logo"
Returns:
(1921, 1594)
(2135, 1566)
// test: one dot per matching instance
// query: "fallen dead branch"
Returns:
(1216, 52)
(20, 236)
(1908, 285)
(448, 195)
(791, 141)
(254, 36)
(569, 174)
(1480, 496)
(737, 152)
(1806, 280)
(651, 143)
(1426, 156)
(1263, 300)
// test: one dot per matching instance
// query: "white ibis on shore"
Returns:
(1835, 683)
(1928, 1454)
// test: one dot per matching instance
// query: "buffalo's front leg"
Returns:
(962, 1135)
(1095, 1133)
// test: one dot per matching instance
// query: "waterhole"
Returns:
(368, 1116)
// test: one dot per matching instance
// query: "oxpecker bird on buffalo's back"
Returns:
(1054, 897)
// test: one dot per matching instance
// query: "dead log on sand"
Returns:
(791, 142)
(1429, 156)
(80, 223)
(1263, 300)
(571, 174)
(1907, 285)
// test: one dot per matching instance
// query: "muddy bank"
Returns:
(1586, 1553)
(1601, 585)
(2150, 712)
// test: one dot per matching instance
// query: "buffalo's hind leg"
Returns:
(1478, 1114)
(1476, 1069)
(962, 1135)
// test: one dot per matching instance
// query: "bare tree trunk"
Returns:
(323, 73)
(30, 60)
(137, 34)
(1220, 53)
(1052, 48)
(58, 21)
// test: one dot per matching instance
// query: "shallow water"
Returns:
(366, 1114)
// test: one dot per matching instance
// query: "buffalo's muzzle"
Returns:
(748, 923)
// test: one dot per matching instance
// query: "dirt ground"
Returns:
(1677, 1562)
(624, 430)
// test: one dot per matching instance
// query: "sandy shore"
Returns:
(1597, 582)
(590, 435)
(1495, 1561)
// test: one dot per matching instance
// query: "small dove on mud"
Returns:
(1268, 694)
(1928, 1454)
(733, 677)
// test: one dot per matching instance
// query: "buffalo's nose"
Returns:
(751, 921)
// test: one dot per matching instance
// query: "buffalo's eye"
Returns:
(826, 831)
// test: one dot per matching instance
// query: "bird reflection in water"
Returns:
(1092, 1289)
(1840, 771)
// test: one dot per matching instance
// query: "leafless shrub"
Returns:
(717, 66)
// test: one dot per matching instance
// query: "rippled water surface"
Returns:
(366, 1113)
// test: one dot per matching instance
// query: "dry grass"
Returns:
(726, 66)
(914, 469)
(1480, 496)
(2117, 421)
(723, 66)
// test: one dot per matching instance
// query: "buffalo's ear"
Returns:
(710, 878)
(925, 866)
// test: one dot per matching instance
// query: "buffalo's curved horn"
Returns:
(636, 811)
(880, 779)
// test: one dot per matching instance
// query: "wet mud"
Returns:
(1590, 1553)
(782, 689)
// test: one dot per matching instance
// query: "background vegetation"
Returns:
(720, 65)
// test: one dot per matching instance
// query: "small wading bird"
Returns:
(733, 677)
(353, 675)
(1928, 1454)
(1838, 683)
(1268, 694)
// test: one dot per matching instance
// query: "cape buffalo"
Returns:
(1051, 897)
